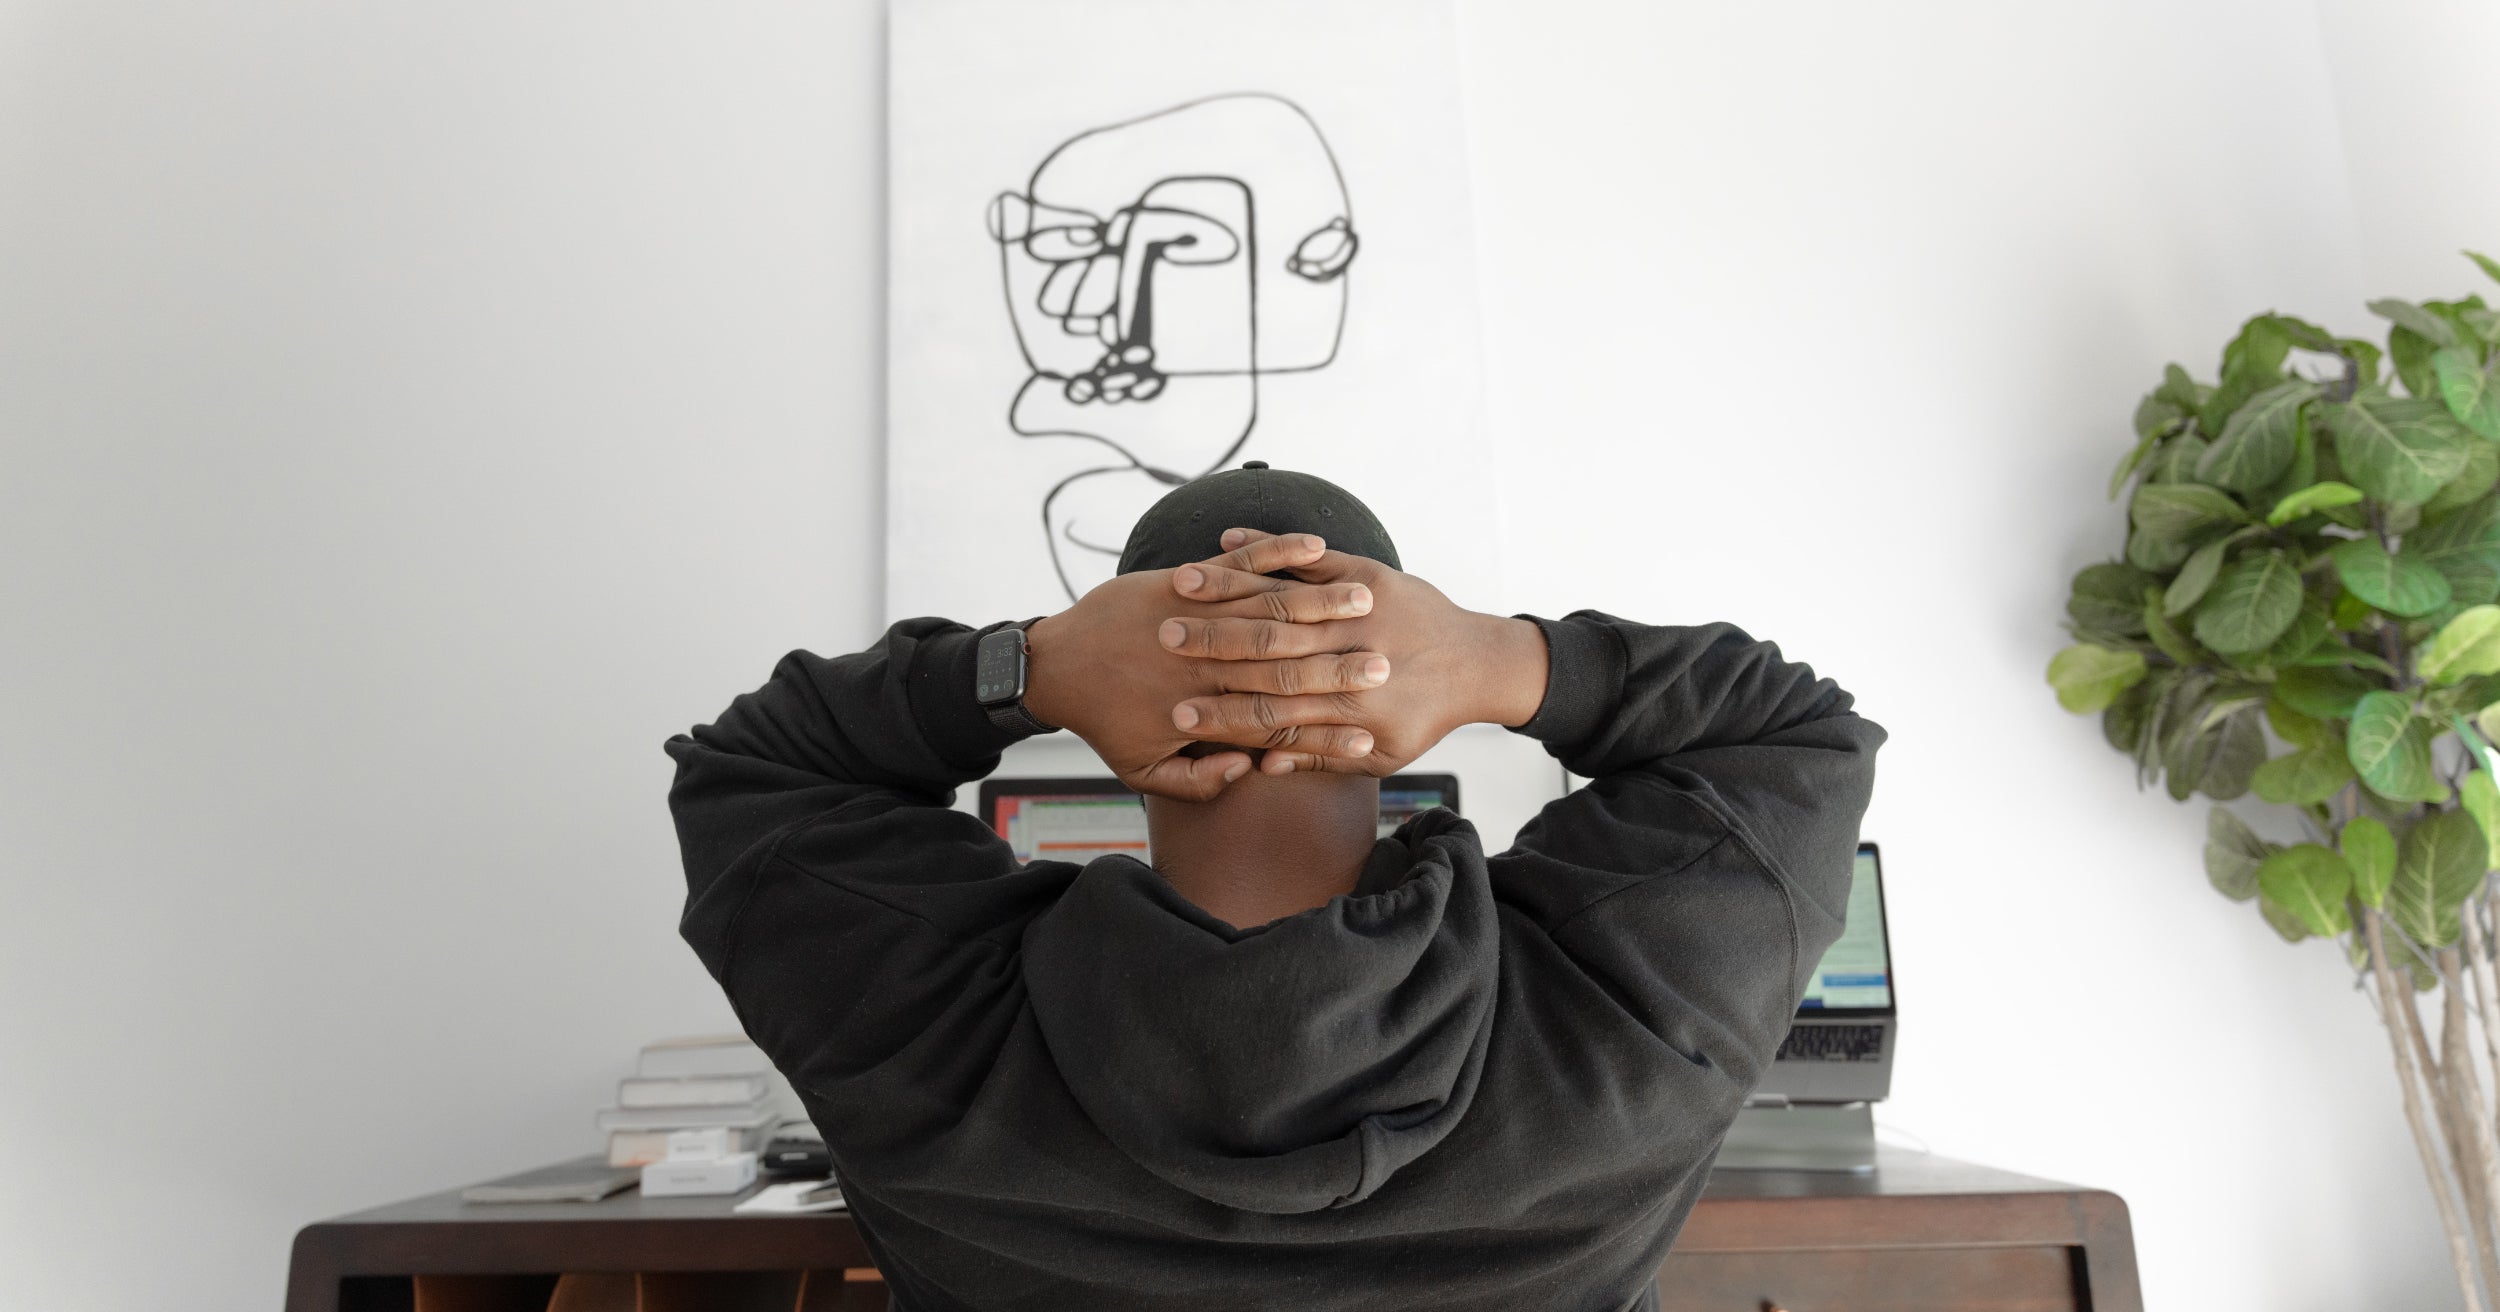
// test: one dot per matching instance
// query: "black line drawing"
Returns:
(1155, 270)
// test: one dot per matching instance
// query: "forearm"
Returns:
(1621, 694)
(1510, 666)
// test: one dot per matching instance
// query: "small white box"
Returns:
(719, 1175)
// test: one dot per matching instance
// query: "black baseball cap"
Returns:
(1188, 523)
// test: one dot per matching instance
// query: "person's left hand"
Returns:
(1099, 670)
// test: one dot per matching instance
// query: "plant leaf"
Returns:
(2323, 691)
(2088, 678)
(2233, 852)
(2401, 452)
(2135, 460)
(2251, 605)
(2473, 483)
(2479, 797)
(2302, 778)
(2440, 863)
(2489, 265)
(2236, 750)
(2399, 585)
(2174, 512)
(2256, 444)
(2194, 577)
(2371, 853)
(2393, 760)
(2415, 319)
(2297, 729)
(2311, 882)
(2464, 648)
(2472, 392)
(2107, 601)
(2316, 496)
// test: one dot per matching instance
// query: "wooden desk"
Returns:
(1921, 1232)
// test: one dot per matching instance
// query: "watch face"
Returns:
(998, 670)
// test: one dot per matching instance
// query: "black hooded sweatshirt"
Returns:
(1471, 1083)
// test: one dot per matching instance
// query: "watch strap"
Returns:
(1013, 717)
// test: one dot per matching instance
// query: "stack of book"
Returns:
(720, 1085)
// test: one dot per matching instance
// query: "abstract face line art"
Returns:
(1155, 270)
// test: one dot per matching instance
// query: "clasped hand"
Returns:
(1184, 681)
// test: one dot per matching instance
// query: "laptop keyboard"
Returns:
(1833, 1043)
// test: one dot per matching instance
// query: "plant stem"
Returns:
(2486, 982)
(2391, 997)
(2469, 1121)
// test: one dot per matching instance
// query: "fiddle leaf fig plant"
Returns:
(2307, 612)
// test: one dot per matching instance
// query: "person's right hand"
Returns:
(1454, 666)
(1097, 670)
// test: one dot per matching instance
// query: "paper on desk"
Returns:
(796, 1196)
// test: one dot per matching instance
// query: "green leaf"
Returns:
(2176, 461)
(2177, 511)
(2297, 729)
(2232, 754)
(2089, 678)
(2473, 483)
(2364, 356)
(2179, 389)
(2479, 797)
(2489, 265)
(2387, 750)
(2439, 865)
(2415, 319)
(2302, 778)
(2395, 450)
(2194, 577)
(2468, 646)
(2283, 920)
(2410, 352)
(2135, 460)
(2371, 853)
(2464, 546)
(2472, 392)
(2251, 605)
(2311, 882)
(2156, 416)
(2256, 444)
(2309, 632)
(2122, 721)
(2251, 363)
(2316, 496)
(2399, 585)
(2107, 601)
(2233, 852)
(2327, 693)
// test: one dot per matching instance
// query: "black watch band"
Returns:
(998, 681)
(1013, 717)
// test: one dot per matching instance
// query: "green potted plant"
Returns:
(2308, 610)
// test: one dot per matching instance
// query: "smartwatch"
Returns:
(998, 671)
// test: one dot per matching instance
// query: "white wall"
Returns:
(411, 414)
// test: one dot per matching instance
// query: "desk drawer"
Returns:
(2034, 1279)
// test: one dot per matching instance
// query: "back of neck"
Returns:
(1269, 846)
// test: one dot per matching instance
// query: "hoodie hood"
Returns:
(1286, 1068)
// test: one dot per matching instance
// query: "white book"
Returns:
(759, 1112)
(643, 1147)
(690, 1091)
(704, 1054)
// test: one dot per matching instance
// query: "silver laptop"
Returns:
(1839, 1049)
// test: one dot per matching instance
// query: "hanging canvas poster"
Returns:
(1132, 242)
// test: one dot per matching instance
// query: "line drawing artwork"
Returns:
(1155, 271)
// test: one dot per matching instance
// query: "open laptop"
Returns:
(1079, 819)
(1839, 1048)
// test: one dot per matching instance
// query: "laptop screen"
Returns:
(1856, 973)
(1078, 820)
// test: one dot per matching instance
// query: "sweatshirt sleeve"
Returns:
(831, 889)
(1703, 870)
